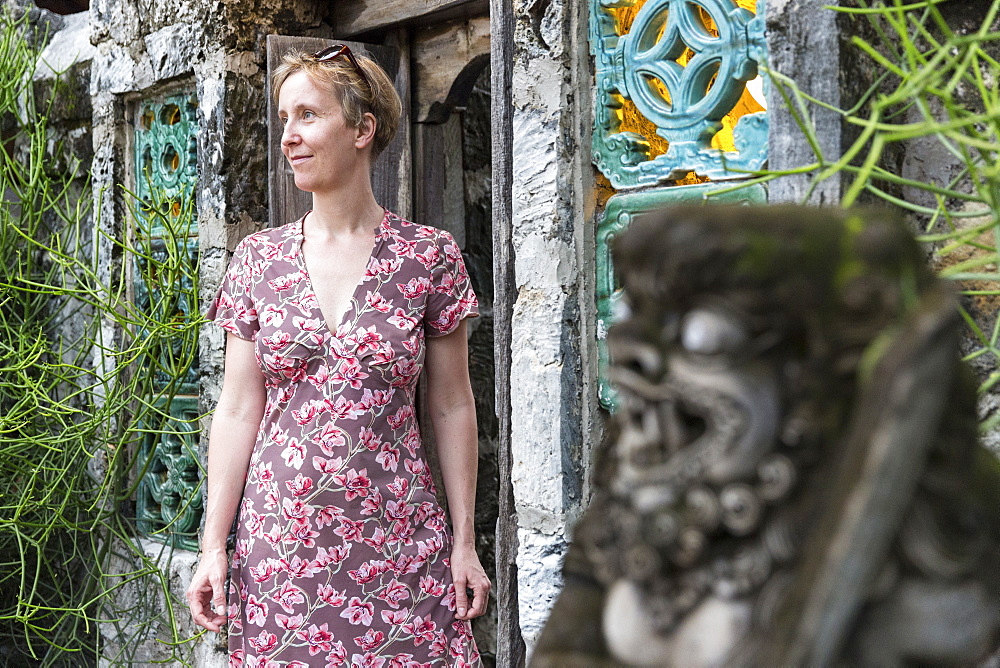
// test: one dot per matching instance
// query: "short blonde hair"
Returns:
(356, 96)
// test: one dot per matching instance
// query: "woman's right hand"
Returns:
(207, 594)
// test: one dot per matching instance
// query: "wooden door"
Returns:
(391, 174)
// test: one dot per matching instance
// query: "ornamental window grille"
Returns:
(169, 502)
(680, 106)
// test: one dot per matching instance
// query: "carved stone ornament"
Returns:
(793, 476)
(684, 64)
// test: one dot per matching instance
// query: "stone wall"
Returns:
(553, 365)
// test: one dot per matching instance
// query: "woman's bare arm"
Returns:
(452, 410)
(234, 431)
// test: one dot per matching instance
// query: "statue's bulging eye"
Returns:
(711, 332)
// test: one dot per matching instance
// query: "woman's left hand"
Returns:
(468, 573)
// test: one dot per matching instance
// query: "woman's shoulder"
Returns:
(414, 232)
(269, 237)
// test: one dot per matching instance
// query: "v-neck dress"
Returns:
(342, 551)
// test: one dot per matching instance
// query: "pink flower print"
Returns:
(388, 458)
(421, 629)
(292, 623)
(366, 339)
(429, 257)
(435, 523)
(307, 324)
(401, 531)
(401, 660)
(387, 267)
(273, 537)
(449, 598)
(301, 533)
(288, 596)
(337, 656)
(447, 319)
(349, 529)
(367, 572)
(329, 438)
(412, 345)
(384, 355)
(339, 553)
(394, 593)
(419, 469)
(431, 586)
(377, 539)
(406, 564)
(300, 568)
(404, 247)
(355, 482)
(376, 399)
(309, 411)
(370, 640)
(452, 252)
(236, 659)
(401, 416)
(254, 524)
(318, 638)
(412, 439)
(286, 282)
(431, 546)
(264, 475)
(372, 504)
(378, 302)
(402, 321)
(294, 454)
(358, 612)
(343, 408)
(256, 611)
(296, 664)
(318, 380)
(398, 510)
(349, 372)
(415, 287)
(457, 647)
(446, 284)
(296, 510)
(368, 439)
(264, 642)
(368, 660)
(263, 571)
(261, 662)
(272, 316)
(277, 341)
(331, 596)
(399, 486)
(327, 465)
(395, 616)
(327, 515)
(404, 371)
(267, 249)
(300, 485)
(334, 555)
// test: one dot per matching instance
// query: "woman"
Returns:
(342, 555)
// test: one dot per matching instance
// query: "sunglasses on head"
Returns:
(331, 52)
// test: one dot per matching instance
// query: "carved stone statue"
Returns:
(793, 475)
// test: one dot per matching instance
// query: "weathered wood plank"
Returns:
(510, 643)
(354, 18)
(286, 202)
(442, 55)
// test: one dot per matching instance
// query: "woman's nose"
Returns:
(288, 135)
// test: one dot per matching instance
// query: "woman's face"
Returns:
(317, 142)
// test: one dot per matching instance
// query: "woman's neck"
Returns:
(343, 212)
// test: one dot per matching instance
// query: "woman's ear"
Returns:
(366, 131)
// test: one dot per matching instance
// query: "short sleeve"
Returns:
(233, 308)
(451, 298)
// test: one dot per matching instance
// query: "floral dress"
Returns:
(341, 554)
